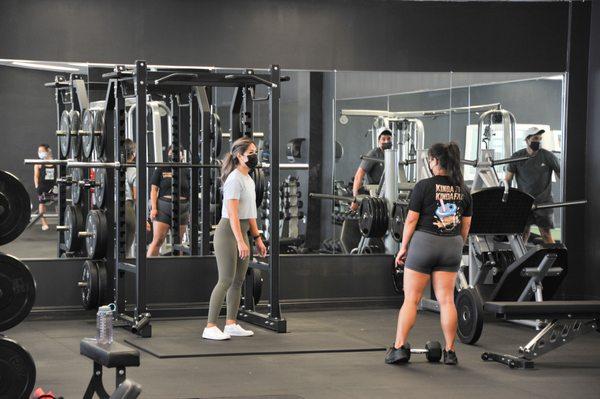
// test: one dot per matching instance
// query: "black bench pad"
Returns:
(113, 355)
(546, 309)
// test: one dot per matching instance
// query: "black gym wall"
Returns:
(363, 35)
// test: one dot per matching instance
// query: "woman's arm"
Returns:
(410, 225)
(465, 226)
(154, 197)
(253, 227)
(36, 175)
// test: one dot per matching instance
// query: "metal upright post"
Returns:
(205, 118)
(140, 84)
(194, 175)
(275, 311)
(175, 180)
(62, 169)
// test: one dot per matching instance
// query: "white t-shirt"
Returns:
(240, 187)
(130, 182)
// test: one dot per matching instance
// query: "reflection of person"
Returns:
(161, 206)
(435, 231)
(231, 242)
(130, 195)
(534, 176)
(44, 178)
(371, 169)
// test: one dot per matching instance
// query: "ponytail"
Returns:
(230, 162)
(448, 156)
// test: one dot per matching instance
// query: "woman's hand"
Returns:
(153, 213)
(260, 245)
(401, 257)
(243, 249)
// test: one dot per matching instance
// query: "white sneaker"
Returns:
(235, 330)
(215, 334)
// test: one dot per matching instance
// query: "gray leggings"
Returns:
(232, 271)
(428, 253)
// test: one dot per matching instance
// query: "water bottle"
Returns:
(104, 324)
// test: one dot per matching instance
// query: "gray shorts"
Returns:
(542, 218)
(430, 253)
(165, 209)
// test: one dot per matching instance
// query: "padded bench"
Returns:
(113, 355)
(569, 320)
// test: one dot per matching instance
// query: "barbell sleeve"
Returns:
(559, 204)
(83, 234)
(45, 162)
(468, 162)
(332, 197)
(62, 228)
(77, 164)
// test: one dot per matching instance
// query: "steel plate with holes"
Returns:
(99, 132)
(64, 138)
(15, 207)
(74, 223)
(97, 228)
(100, 178)
(90, 295)
(76, 190)
(75, 138)
(86, 133)
(17, 291)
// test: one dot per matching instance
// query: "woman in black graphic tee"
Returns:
(435, 231)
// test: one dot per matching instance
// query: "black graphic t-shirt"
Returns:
(441, 206)
(162, 178)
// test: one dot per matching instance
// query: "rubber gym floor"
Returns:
(572, 371)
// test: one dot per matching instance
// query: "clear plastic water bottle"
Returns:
(104, 324)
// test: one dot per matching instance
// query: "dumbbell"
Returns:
(288, 195)
(288, 216)
(287, 204)
(432, 351)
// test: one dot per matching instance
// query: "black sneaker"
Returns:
(398, 356)
(450, 357)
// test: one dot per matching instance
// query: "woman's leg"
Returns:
(414, 284)
(443, 286)
(160, 232)
(42, 212)
(226, 254)
(234, 294)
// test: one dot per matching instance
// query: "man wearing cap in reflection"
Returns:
(534, 176)
(371, 169)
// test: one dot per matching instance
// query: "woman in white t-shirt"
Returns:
(232, 248)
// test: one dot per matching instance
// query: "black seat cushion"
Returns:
(546, 309)
(113, 355)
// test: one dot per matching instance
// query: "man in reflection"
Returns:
(534, 176)
(372, 170)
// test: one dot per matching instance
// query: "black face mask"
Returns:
(386, 146)
(534, 145)
(252, 161)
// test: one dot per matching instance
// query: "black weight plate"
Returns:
(100, 189)
(257, 289)
(99, 132)
(90, 295)
(103, 290)
(75, 137)
(379, 217)
(470, 315)
(87, 136)
(75, 223)
(17, 291)
(217, 135)
(365, 221)
(65, 140)
(17, 370)
(397, 278)
(397, 221)
(15, 207)
(434, 351)
(77, 176)
(97, 225)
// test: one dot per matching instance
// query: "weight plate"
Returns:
(15, 207)
(87, 137)
(17, 370)
(90, 295)
(366, 216)
(75, 223)
(99, 132)
(17, 291)
(75, 138)
(434, 351)
(397, 278)
(470, 315)
(77, 176)
(100, 178)
(399, 211)
(103, 291)
(217, 136)
(260, 184)
(64, 139)
(97, 225)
